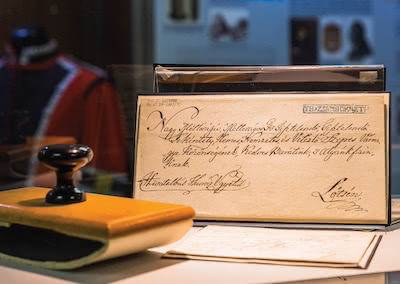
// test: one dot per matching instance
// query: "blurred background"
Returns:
(126, 37)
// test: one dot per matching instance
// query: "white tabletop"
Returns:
(149, 267)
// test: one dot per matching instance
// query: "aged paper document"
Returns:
(280, 246)
(305, 158)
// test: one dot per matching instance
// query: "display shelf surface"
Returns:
(149, 267)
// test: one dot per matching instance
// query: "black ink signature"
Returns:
(232, 180)
(339, 197)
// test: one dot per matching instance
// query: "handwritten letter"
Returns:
(290, 158)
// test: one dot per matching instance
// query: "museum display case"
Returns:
(273, 125)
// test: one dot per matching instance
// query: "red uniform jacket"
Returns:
(65, 97)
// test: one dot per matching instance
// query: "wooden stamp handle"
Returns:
(65, 159)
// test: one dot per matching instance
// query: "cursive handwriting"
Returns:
(162, 121)
(327, 140)
(340, 197)
(169, 160)
(232, 180)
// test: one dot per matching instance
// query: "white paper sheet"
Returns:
(281, 246)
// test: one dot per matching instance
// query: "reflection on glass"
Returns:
(52, 98)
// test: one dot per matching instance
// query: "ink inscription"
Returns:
(232, 180)
(341, 196)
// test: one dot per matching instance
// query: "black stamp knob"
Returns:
(65, 159)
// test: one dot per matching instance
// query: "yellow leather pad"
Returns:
(101, 217)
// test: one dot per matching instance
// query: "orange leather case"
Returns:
(118, 225)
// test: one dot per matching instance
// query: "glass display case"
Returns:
(71, 72)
